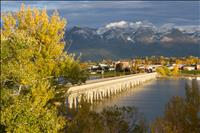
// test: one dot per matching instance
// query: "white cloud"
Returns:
(167, 39)
(120, 24)
(139, 22)
(189, 28)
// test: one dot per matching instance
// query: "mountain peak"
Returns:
(125, 39)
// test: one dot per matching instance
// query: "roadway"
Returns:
(112, 78)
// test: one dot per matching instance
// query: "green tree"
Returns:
(32, 113)
(191, 60)
(123, 120)
(110, 120)
(84, 120)
(164, 71)
(33, 58)
(175, 71)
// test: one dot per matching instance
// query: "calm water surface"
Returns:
(149, 98)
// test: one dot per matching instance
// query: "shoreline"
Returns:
(180, 76)
(196, 76)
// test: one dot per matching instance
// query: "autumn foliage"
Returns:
(33, 58)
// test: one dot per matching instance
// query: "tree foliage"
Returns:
(109, 120)
(164, 71)
(32, 59)
(32, 113)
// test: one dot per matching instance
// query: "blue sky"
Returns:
(100, 13)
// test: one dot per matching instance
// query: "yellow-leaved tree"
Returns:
(33, 59)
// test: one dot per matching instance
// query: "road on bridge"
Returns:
(111, 78)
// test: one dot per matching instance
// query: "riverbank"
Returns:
(94, 77)
(180, 76)
(193, 73)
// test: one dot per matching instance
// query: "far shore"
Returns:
(181, 76)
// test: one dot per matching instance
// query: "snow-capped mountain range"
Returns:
(128, 39)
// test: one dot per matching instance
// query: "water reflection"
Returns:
(150, 98)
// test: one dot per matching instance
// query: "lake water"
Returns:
(150, 98)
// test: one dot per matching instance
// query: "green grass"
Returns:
(193, 72)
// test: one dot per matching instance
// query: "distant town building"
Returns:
(189, 68)
(152, 68)
(197, 66)
(100, 68)
(122, 66)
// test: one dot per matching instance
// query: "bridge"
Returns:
(96, 90)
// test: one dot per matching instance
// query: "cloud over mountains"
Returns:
(125, 39)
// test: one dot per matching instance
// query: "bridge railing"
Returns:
(86, 87)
